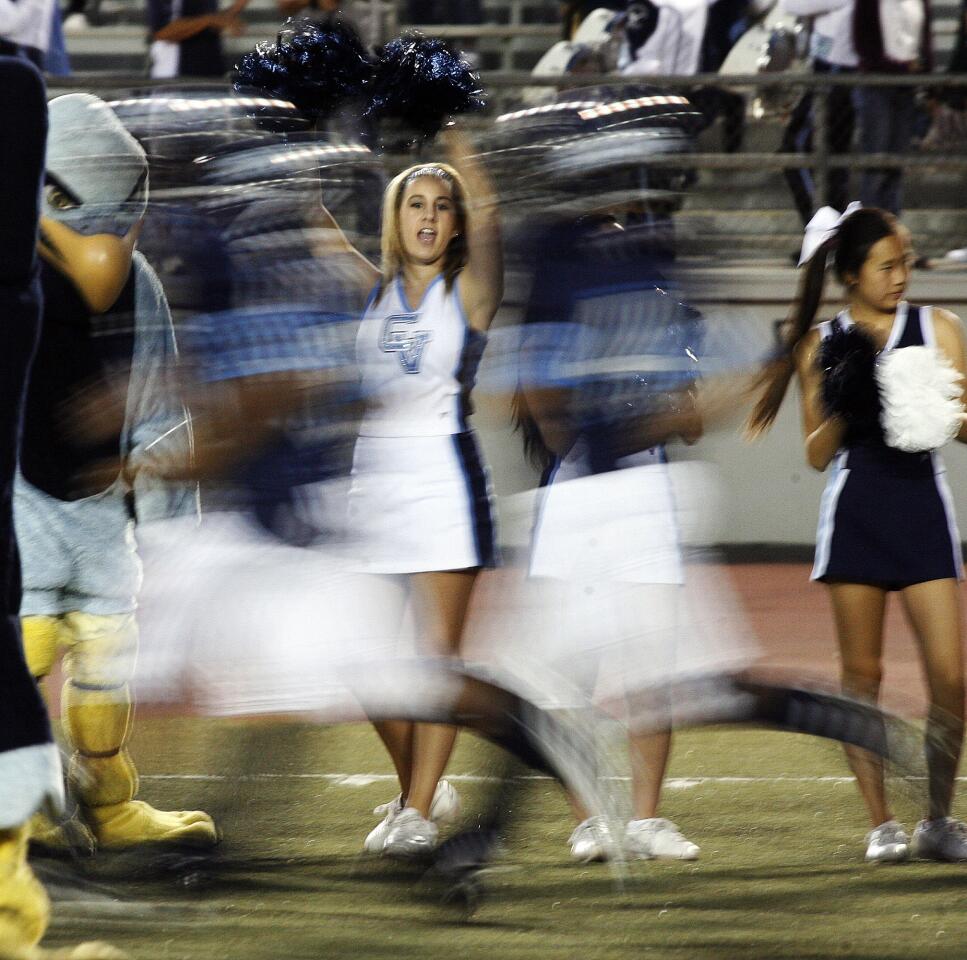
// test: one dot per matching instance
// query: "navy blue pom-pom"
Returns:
(847, 359)
(422, 82)
(315, 66)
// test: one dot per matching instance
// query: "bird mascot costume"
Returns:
(105, 352)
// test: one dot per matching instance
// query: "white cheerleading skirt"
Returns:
(419, 504)
(618, 526)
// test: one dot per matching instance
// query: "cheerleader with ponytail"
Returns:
(881, 387)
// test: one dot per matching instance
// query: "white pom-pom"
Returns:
(921, 397)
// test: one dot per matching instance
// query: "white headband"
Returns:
(824, 224)
(428, 171)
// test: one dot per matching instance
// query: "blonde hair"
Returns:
(391, 243)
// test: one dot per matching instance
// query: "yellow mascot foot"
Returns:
(25, 909)
(121, 826)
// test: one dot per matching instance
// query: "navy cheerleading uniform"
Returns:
(887, 516)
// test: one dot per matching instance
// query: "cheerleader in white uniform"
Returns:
(419, 501)
(606, 379)
(886, 520)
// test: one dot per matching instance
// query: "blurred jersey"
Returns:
(602, 325)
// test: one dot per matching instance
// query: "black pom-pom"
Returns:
(421, 81)
(847, 359)
(315, 66)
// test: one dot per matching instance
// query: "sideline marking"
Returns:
(367, 779)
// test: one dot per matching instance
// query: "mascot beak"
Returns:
(97, 265)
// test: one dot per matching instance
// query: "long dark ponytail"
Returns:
(850, 246)
(536, 451)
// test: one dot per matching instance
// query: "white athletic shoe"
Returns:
(887, 843)
(376, 838)
(76, 23)
(657, 839)
(958, 256)
(444, 809)
(410, 836)
(446, 803)
(943, 839)
(591, 840)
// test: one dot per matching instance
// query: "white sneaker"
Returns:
(76, 23)
(444, 809)
(656, 838)
(591, 840)
(943, 839)
(376, 838)
(958, 256)
(410, 836)
(887, 843)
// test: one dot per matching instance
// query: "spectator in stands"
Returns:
(948, 105)
(958, 62)
(724, 22)
(890, 36)
(81, 15)
(25, 29)
(684, 37)
(654, 41)
(186, 36)
(710, 28)
(728, 20)
(831, 51)
(949, 127)
(573, 13)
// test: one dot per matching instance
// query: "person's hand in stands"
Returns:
(227, 21)
(234, 25)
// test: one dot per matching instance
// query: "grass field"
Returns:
(781, 873)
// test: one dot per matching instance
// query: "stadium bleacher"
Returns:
(744, 212)
(516, 35)
(517, 32)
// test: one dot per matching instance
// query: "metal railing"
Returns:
(759, 159)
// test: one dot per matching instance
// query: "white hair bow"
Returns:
(824, 224)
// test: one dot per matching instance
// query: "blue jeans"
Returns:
(798, 138)
(886, 118)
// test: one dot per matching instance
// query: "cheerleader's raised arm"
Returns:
(482, 279)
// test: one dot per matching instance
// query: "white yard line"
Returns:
(366, 779)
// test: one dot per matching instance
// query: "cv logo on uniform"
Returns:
(400, 338)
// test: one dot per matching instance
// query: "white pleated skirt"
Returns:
(419, 504)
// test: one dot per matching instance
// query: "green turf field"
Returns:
(781, 873)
